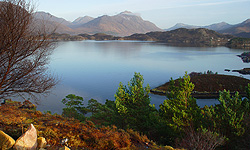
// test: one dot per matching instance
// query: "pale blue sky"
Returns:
(164, 13)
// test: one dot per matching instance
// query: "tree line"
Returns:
(179, 121)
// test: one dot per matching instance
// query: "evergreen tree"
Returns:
(93, 106)
(180, 110)
(227, 117)
(133, 104)
(104, 114)
(74, 107)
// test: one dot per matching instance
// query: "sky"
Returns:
(163, 13)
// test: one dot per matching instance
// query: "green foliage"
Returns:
(133, 104)
(178, 117)
(93, 106)
(248, 93)
(210, 72)
(106, 114)
(227, 117)
(47, 112)
(72, 100)
(74, 108)
(180, 110)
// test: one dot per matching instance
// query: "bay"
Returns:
(94, 69)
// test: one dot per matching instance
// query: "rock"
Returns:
(64, 141)
(41, 142)
(6, 142)
(168, 148)
(27, 141)
(64, 148)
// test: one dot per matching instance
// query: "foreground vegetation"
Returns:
(179, 122)
(15, 119)
(131, 122)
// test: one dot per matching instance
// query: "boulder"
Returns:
(41, 142)
(6, 142)
(64, 148)
(27, 141)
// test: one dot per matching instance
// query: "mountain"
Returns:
(47, 16)
(240, 30)
(218, 26)
(81, 20)
(52, 22)
(215, 27)
(123, 24)
(182, 25)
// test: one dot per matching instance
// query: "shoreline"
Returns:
(198, 95)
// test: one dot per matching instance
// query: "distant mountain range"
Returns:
(123, 24)
(127, 23)
(215, 27)
(240, 30)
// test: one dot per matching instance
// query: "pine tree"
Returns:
(180, 110)
(133, 104)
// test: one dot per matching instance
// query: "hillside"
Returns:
(215, 26)
(179, 37)
(15, 117)
(185, 37)
(80, 21)
(123, 24)
(239, 30)
(51, 22)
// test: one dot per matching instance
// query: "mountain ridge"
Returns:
(122, 24)
(127, 23)
(241, 29)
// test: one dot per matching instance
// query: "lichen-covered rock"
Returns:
(6, 142)
(41, 142)
(27, 141)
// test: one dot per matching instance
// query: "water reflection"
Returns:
(94, 69)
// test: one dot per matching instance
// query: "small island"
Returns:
(245, 57)
(208, 86)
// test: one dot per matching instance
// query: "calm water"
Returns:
(93, 69)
